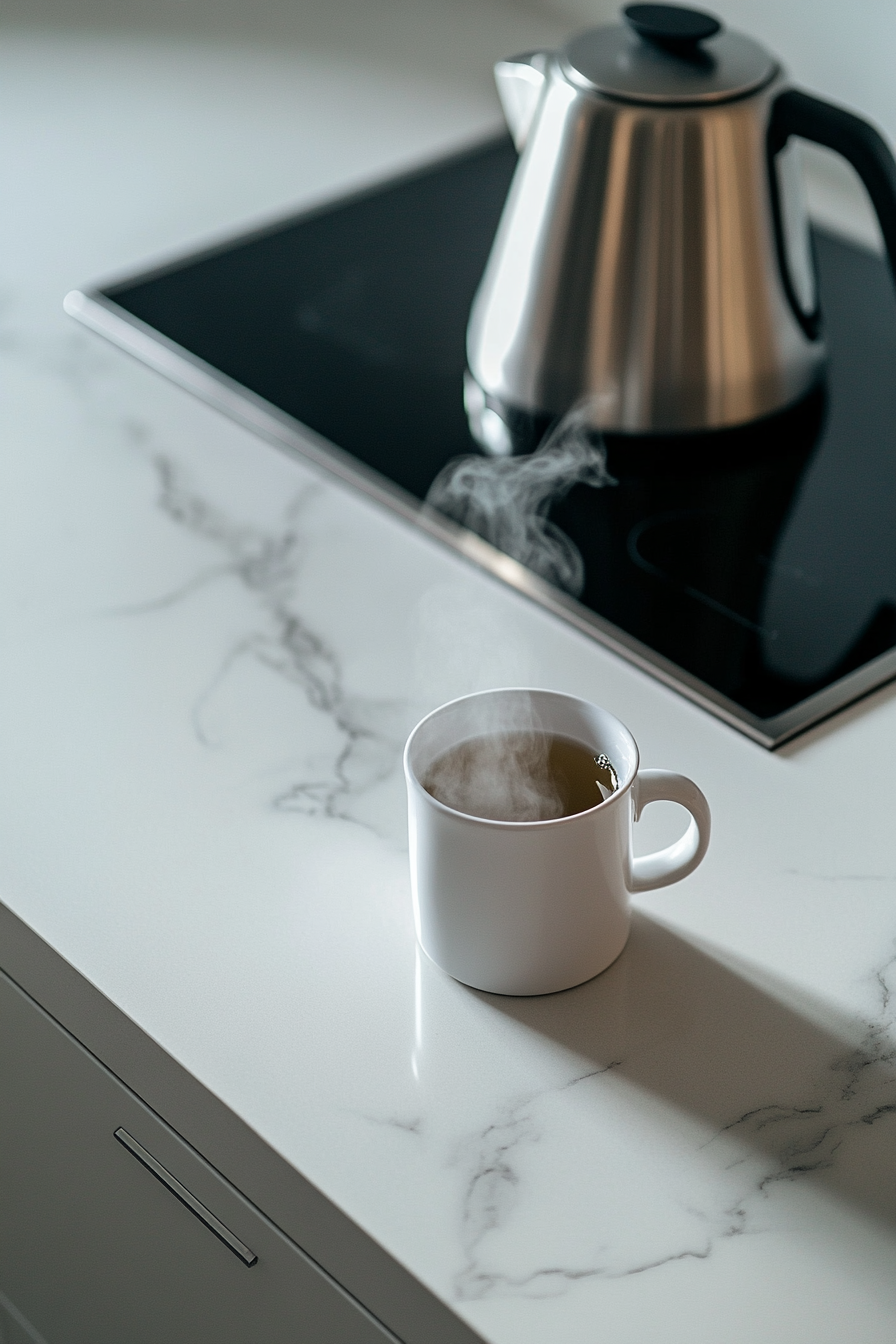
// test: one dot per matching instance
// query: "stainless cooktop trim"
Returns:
(101, 314)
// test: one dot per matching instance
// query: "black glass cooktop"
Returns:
(753, 569)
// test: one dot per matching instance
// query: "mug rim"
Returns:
(616, 796)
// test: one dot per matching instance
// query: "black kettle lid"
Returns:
(668, 54)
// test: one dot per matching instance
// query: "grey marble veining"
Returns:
(268, 564)
(816, 1097)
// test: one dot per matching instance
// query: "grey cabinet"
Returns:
(115, 1231)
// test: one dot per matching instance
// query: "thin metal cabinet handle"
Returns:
(249, 1258)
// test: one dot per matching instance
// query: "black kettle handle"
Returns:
(798, 113)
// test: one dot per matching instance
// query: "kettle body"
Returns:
(654, 256)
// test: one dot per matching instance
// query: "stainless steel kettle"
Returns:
(654, 253)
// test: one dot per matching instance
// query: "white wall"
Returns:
(846, 52)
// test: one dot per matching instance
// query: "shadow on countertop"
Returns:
(814, 1101)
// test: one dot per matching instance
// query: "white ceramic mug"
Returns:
(532, 907)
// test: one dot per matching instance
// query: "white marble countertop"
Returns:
(211, 657)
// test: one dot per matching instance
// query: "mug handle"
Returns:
(675, 861)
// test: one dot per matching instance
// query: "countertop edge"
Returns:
(237, 1152)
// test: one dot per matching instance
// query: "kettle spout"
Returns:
(520, 81)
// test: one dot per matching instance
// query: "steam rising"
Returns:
(503, 777)
(506, 500)
(502, 772)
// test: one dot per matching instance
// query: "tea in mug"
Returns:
(521, 776)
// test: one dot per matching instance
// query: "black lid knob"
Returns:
(672, 27)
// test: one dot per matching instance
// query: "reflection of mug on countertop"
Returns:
(532, 907)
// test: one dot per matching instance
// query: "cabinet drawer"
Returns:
(135, 1238)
